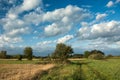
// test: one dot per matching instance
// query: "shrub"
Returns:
(28, 53)
(97, 56)
(19, 57)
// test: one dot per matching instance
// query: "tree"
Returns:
(86, 54)
(109, 56)
(77, 56)
(19, 57)
(3, 54)
(62, 52)
(96, 54)
(28, 53)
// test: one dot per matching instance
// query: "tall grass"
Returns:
(86, 70)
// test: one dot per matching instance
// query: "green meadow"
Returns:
(86, 69)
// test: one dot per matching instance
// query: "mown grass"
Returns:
(108, 69)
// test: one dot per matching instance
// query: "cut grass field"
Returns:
(22, 70)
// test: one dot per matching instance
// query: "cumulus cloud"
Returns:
(13, 27)
(117, 1)
(8, 40)
(25, 6)
(110, 4)
(65, 39)
(64, 19)
(100, 16)
(56, 29)
(30, 4)
(106, 30)
(44, 43)
(60, 20)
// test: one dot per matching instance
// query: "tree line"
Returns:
(62, 53)
(28, 53)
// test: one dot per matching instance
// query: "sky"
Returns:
(41, 24)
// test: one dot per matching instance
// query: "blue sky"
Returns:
(41, 24)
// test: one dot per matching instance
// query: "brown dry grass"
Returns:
(22, 71)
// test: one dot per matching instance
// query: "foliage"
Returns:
(96, 52)
(77, 56)
(109, 56)
(3, 54)
(86, 54)
(62, 52)
(28, 53)
(96, 56)
(19, 57)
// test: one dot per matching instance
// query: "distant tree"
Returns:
(3, 54)
(86, 54)
(96, 54)
(28, 53)
(109, 56)
(77, 56)
(19, 57)
(62, 52)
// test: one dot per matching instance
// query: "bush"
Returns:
(62, 52)
(19, 57)
(28, 53)
(109, 56)
(97, 56)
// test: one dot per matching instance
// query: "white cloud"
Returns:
(117, 1)
(64, 19)
(44, 43)
(65, 39)
(52, 29)
(14, 28)
(100, 16)
(20, 31)
(30, 4)
(25, 6)
(12, 16)
(56, 29)
(84, 24)
(60, 20)
(110, 4)
(104, 30)
(4, 39)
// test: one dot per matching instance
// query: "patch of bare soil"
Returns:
(22, 71)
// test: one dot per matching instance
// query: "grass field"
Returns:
(78, 69)
(86, 70)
